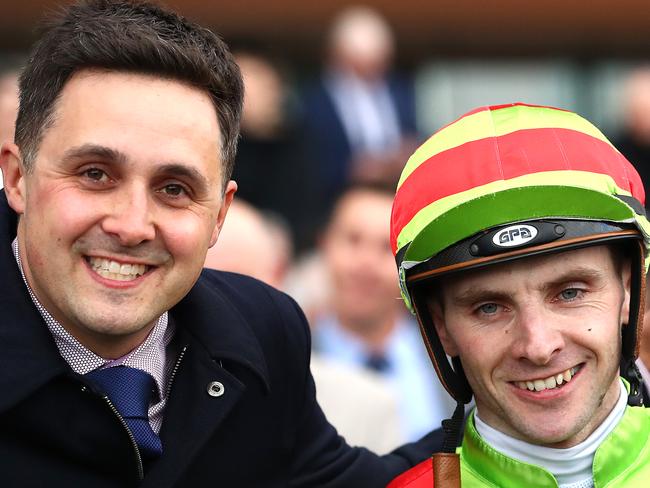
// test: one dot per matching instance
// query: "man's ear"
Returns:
(229, 194)
(438, 315)
(13, 176)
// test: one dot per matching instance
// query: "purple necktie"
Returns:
(130, 391)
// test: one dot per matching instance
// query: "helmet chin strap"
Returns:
(446, 464)
(631, 334)
(453, 429)
(450, 374)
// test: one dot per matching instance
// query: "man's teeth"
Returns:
(550, 382)
(116, 271)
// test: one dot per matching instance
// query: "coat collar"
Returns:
(210, 317)
(29, 357)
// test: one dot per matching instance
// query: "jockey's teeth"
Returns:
(548, 383)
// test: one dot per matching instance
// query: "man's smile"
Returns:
(549, 383)
(114, 270)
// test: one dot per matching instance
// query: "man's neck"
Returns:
(110, 347)
(374, 332)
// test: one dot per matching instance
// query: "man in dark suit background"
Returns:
(359, 117)
(122, 363)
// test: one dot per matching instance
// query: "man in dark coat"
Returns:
(122, 363)
(359, 117)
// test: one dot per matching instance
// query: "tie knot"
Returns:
(129, 389)
(377, 362)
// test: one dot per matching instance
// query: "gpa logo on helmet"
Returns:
(514, 235)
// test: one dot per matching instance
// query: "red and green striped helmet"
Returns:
(510, 181)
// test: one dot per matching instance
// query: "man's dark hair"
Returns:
(126, 36)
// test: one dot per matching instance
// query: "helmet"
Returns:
(507, 182)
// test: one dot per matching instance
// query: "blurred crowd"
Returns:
(317, 167)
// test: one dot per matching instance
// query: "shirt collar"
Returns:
(332, 338)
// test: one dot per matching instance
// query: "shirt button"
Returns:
(216, 389)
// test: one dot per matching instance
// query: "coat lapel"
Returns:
(210, 329)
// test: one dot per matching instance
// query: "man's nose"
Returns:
(130, 217)
(538, 338)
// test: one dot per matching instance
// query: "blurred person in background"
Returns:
(270, 152)
(634, 142)
(308, 284)
(253, 244)
(367, 325)
(359, 116)
(8, 106)
(358, 403)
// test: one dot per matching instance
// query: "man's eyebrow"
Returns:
(97, 151)
(580, 273)
(477, 294)
(184, 171)
(474, 294)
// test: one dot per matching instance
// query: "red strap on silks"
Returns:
(419, 476)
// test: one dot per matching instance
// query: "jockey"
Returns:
(521, 238)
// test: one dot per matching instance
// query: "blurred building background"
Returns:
(463, 52)
(459, 53)
(339, 94)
